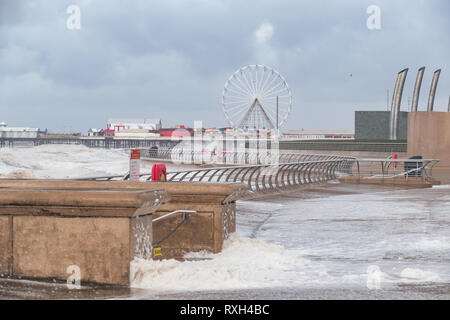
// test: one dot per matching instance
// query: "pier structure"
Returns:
(168, 142)
(91, 142)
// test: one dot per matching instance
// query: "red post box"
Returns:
(159, 172)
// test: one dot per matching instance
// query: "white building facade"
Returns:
(319, 134)
(134, 124)
(17, 132)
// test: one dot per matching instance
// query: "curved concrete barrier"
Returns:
(47, 232)
(214, 203)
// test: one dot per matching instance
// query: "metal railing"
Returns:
(355, 145)
(265, 170)
(266, 176)
(393, 168)
(189, 156)
(261, 177)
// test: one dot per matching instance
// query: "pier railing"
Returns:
(393, 168)
(254, 157)
(318, 168)
(345, 146)
(259, 177)
(386, 168)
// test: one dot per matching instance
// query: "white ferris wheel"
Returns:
(256, 97)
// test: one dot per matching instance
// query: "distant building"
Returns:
(133, 128)
(136, 133)
(95, 132)
(133, 124)
(108, 132)
(372, 125)
(18, 132)
(176, 132)
(318, 134)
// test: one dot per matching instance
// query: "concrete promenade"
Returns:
(24, 289)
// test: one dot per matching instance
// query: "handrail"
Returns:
(172, 213)
(387, 169)
(260, 177)
(317, 168)
(249, 156)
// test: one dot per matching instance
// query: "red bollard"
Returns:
(159, 172)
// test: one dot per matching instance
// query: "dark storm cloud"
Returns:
(170, 59)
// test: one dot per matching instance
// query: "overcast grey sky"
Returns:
(169, 59)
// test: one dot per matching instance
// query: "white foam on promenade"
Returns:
(248, 263)
(244, 263)
(443, 186)
(427, 244)
(415, 274)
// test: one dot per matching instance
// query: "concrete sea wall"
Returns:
(109, 223)
(46, 231)
(429, 136)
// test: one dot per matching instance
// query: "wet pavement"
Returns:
(338, 227)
